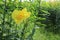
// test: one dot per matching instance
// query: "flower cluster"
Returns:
(20, 15)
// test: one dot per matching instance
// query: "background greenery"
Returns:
(43, 24)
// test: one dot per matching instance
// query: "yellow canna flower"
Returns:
(19, 16)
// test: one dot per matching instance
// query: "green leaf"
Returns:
(45, 11)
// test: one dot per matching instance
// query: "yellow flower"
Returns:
(19, 16)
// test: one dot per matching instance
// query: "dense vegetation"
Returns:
(43, 23)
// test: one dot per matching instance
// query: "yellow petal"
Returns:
(19, 16)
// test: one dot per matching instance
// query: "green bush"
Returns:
(44, 20)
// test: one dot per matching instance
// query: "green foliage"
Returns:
(52, 9)
(43, 22)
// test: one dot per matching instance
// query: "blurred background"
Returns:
(43, 23)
